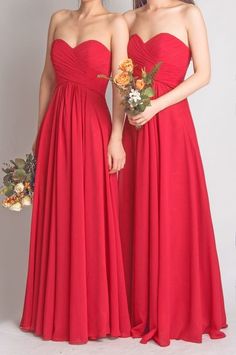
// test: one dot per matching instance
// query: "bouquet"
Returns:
(136, 91)
(18, 182)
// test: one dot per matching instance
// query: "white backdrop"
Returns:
(23, 28)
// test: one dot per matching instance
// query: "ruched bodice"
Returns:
(81, 64)
(157, 49)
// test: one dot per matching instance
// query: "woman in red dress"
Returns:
(75, 285)
(171, 263)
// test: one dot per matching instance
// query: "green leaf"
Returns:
(148, 80)
(149, 92)
(3, 190)
(132, 113)
(147, 101)
(155, 70)
(9, 190)
(7, 170)
(12, 161)
(19, 174)
(142, 107)
(20, 163)
(28, 177)
(7, 179)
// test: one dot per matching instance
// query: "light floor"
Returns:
(14, 341)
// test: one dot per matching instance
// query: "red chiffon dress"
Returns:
(171, 263)
(75, 285)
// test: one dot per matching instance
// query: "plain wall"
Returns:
(23, 31)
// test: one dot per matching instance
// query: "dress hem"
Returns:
(213, 334)
(75, 342)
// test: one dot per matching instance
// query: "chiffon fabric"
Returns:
(171, 263)
(75, 287)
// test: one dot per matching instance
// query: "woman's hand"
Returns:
(144, 117)
(116, 155)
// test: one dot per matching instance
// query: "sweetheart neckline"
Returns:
(160, 34)
(81, 43)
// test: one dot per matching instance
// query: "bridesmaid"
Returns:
(171, 264)
(75, 287)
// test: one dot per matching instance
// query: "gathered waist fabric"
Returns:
(82, 86)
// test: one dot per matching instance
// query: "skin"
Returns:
(90, 21)
(184, 21)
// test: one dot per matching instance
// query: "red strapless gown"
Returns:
(75, 285)
(170, 256)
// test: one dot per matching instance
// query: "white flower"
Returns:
(19, 187)
(16, 207)
(134, 95)
(26, 201)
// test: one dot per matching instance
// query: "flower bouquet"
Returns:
(136, 91)
(18, 182)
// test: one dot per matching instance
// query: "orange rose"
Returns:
(140, 84)
(127, 65)
(122, 79)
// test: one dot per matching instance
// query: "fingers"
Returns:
(114, 166)
(109, 162)
(132, 122)
(117, 165)
(121, 164)
(140, 122)
(132, 119)
(137, 120)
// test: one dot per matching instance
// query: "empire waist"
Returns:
(82, 85)
(168, 74)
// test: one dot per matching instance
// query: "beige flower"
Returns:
(140, 84)
(122, 79)
(127, 65)
(144, 73)
(26, 201)
(19, 187)
(16, 207)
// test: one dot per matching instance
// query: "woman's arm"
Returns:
(198, 41)
(47, 80)
(116, 153)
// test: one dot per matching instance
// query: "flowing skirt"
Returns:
(171, 264)
(75, 285)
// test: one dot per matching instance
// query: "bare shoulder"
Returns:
(60, 15)
(130, 16)
(118, 22)
(191, 12)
